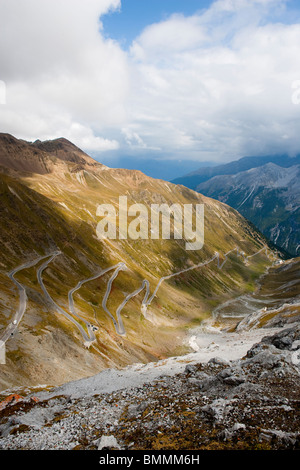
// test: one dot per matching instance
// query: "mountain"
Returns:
(238, 390)
(72, 305)
(268, 196)
(166, 169)
(18, 155)
(65, 150)
(275, 303)
(194, 179)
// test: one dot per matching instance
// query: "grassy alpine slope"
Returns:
(49, 204)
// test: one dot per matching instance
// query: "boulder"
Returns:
(108, 442)
(219, 361)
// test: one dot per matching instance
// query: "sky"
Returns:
(204, 81)
(134, 16)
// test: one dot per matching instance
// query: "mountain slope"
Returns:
(194, 179)
(51, 252)
(18, 155)
(65, 150)
(268, 196)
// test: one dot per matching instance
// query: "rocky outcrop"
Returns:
(251, 403)
(268, 196)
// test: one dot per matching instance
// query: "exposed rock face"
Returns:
(66, 151)
(268, 196)
(288, 339)
(251, 403)
(18, 155)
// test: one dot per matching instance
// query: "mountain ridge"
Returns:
(195, 178)
(268, 196)
(41, 157)
(55, 211)
(65, 150)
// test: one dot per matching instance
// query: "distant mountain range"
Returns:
(193, 179)
(161, 168)
(265, 190)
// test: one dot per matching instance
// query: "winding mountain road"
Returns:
(147, 301)
(11, 328)
(119, 326)
(40, 271)
(89, 336)
(75, 289)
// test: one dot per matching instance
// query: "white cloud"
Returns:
(134, 140)
(41, 37)
(175, 35)
(84, 138)
(2, 92)
(235, 75)
(214, 85)
(59, 69)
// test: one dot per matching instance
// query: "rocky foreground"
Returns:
(250, 403)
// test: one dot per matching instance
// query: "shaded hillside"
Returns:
(55, 211)
(268, 196)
